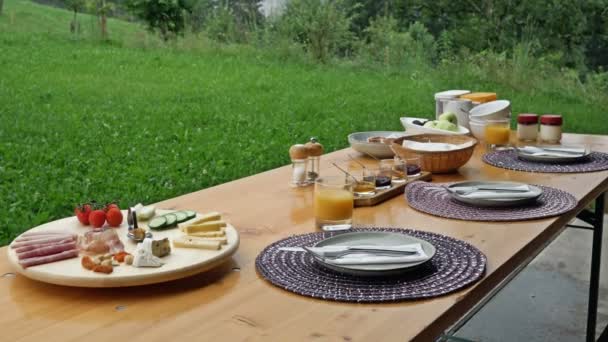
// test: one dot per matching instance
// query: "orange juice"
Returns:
(497, 134)
(333, 205)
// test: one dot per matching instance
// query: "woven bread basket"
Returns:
(437, 161)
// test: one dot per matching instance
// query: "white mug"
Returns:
(461, 108)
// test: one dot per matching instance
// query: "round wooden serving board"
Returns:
(181, 263)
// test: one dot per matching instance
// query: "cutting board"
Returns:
(181, 263)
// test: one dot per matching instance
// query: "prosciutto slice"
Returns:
(40, 245)
(99, 241)
(26, 234)
(41, 237)
(37, 241)
(47, 250)
(72, 253)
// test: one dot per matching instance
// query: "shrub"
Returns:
(165, 16)
(321, 26)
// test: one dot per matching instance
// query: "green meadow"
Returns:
(137, 120)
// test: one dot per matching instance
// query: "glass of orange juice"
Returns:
(334, 203)
(497, 133)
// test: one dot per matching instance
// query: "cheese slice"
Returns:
(212, 216)
(204, 227)
(220, 233)
(189, 242)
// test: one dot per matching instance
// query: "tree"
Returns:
(102, 8)
(74, 6)
(168, 17)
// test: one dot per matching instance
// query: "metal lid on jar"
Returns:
(551, 119)
(527, 118)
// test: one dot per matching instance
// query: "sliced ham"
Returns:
(44, 232)
(41, 237)
(72, 253)
(40, 245)
(37, 241)
(47, 250)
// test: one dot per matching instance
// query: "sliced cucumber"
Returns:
(181, 216)
(191, 214)
(171, 220)
(158, 223)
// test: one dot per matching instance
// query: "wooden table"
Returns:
(232, 303)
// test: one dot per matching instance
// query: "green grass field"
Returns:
(81, 119)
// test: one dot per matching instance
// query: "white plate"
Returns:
(376, 239)
(181, 263)
(412, 128)
(503, 202)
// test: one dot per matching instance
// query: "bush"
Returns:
(385, 44)
(320, 26)
(165, 16)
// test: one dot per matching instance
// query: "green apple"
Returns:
(449, 116)
(430, 124)
(446, 125)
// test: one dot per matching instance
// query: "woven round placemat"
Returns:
(434, 199)
(455, 265)
(596, 161)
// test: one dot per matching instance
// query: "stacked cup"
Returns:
(489, 118)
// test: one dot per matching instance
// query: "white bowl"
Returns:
(478, 129)
(358, 141)
(412, 128)
(494, 110)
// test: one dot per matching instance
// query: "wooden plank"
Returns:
(395, 190)
(231, 302)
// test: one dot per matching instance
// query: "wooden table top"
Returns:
(232, 303)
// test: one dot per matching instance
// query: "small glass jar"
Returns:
(551, 128)
(527, 127)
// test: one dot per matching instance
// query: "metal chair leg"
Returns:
(596, 253)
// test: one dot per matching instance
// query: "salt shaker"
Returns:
(315, 150)
(299, 156)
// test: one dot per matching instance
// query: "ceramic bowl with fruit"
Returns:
(447, 123)
(374, 142)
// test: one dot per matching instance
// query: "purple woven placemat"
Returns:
(596, 161)
(455, 265)
(434, 199)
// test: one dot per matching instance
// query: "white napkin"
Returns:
(488, 194)
(367, 258)
(328, 251)
(567, 152)
(433, 147)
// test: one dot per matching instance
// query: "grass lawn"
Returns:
(81, 119)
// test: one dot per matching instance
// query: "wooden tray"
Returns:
(181, 263)
(394, 190)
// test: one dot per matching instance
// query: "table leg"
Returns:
(596, 252)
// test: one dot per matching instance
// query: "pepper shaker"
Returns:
(299, 156)
(315, 150)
